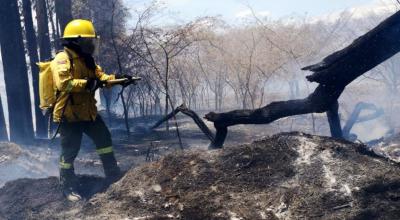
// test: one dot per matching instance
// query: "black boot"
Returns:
(69, 184)
(111, 170)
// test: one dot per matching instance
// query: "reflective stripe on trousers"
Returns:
(104, 150)
(65, 165)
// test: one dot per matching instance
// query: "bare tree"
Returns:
(15, 73)
(43, 30)
(158, 48)
(64, 13)
(32, 47)
(55, 35)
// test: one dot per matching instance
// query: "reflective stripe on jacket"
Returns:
(82, 104)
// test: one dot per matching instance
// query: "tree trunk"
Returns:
(63, 12)
(319, 101)
(55, 43)
(43, 30)
(167, 95)
(157, 107)
(126, 115)
(3, 128)
(15, 73)
(334, 120)
(333, 74)
(41, 129)
(107, 96)
(43, 34)
(166, 111)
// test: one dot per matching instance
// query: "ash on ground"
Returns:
(286, 176)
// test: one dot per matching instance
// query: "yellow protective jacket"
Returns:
(70, 80)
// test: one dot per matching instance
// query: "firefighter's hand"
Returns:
(93, 84)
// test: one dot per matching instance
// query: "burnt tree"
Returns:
(43, 36)
(333, 74)
(3, 128)
(41, 130)
(15, 73)
(64, 13)
(43, 30)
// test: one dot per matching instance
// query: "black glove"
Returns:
(93, 84)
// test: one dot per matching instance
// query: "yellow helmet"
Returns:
(79, 28)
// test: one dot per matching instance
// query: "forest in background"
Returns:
(208, 64)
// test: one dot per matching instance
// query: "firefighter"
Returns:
(76, 77)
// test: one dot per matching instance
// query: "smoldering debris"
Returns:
(19, 162)
(388, 147)
(9, 151)
(286, 176)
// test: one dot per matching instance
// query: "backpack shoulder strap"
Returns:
(71, 59)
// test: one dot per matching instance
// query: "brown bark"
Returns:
(333, 74)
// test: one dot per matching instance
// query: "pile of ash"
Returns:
(286, 176)
(388, 147)
(9, 151)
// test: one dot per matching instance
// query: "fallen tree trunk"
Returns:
(185, 110)
(319, 101)
(333, 74)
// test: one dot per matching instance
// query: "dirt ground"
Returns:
(41, 159)
(285, 176)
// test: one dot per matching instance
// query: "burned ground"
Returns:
(286, 176)
(42, 198)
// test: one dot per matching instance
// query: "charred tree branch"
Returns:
(333, 74)
(185, 110)
(319, 101)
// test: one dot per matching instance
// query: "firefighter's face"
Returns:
(88, 45)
